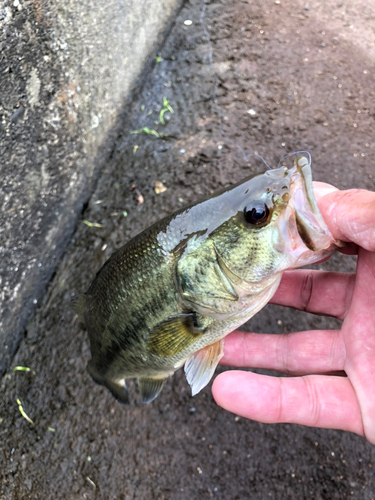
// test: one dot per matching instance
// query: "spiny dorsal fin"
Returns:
(173, 335)
(150, 387)
(201, 365)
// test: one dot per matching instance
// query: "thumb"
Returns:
(350, 215)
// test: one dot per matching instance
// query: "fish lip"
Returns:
(311, 226)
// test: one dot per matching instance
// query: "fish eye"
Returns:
(256, 212)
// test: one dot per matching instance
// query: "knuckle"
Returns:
(282, 352)
(313, 406)
(306, 290)
(337, 351)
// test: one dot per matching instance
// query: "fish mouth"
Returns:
(309, 221)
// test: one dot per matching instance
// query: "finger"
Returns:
(318, 292)
(350, 216)
(318, 351)
(314, 400)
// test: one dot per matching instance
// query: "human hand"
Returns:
(314, 398)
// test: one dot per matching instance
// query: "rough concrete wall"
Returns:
(66, 69)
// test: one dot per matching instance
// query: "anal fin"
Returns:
(201, 365)
(150, 387)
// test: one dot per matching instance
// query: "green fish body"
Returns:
(170, 295)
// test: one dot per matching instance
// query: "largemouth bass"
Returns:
(169, 296)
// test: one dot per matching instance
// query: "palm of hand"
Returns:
(358, 336)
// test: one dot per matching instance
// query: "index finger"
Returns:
(318, 292)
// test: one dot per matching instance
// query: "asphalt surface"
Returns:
(306, 72)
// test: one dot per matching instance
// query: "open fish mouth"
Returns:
(309, 221)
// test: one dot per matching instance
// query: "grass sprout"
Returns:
(148, 131)
(166, 107)
(23, 413)
(92, 224)
(91, 482)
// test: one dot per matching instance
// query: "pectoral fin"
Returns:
(200, 367)
(150, 387)
(173, 335)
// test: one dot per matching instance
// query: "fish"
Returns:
(170, 295)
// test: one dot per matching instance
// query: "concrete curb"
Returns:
(67, 70)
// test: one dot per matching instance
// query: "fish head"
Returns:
(275, 225)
